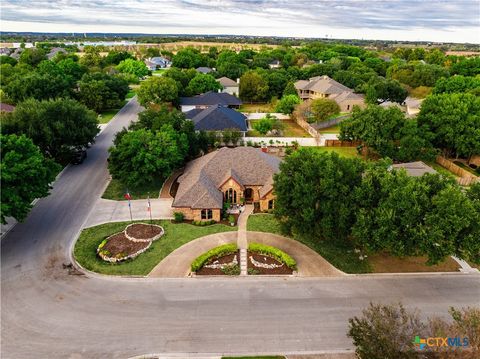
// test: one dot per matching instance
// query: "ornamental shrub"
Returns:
(273, 252)
(216, 252)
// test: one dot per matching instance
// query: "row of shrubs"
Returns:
(216, 252)
(273, 252)
(203, 223)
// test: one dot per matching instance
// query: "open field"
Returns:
(205, 45)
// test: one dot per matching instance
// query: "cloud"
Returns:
(362, 18)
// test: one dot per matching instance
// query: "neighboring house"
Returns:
(209, 99)
(217, 118)
(16, 54)
(5, 107)
(388, 104)
(415, 169)
(155, 63)
(325, 87)
(54, 51)
(413, 105)
(226, 175)
(229, 86)
(275, 64)
(204, 70)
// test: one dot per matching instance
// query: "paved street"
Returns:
(48, 313)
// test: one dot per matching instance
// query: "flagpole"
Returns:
(149, 208)
(128, 197)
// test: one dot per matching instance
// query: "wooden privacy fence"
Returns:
(338, 143)
(465, 177)
(307, 127)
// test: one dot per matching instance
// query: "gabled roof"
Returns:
(322, 84)
(217, 118)
(211, 98)
(226, 82)
(346, 95)
(204, 70)
(54, 51)
(159, 60)
(199, 185)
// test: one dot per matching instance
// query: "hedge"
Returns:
(216, 252)
(273, 252)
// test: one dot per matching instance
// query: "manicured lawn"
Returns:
(342, 151)
(257, 107)
(466, 168)
(341, 254)
(116, 190)
(291, 129)
(107, 115)
(158, 72)
(175, 236)
(332, 129)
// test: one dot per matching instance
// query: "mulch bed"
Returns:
(217, 271)
(143, 231)
(267, 260)
(121, 244)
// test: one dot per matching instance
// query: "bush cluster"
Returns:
(216, 252)
(203, 223)
(178, 216)
(273, 252)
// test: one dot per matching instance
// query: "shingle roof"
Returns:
(415, 169)
(211, 98)
(322, 84)
(217, 118)
(204, 70)
(54, 51)
(346, 95)
(199, 185)
(226, 82)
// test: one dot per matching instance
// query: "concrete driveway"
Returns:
(106, 210)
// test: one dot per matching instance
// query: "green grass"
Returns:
(291, 129)
(130, 94)
(175, 236)
(349, 152)
(466, 168)
(107, 115)
(339, 253)
(116, 190)
(332, 129)
(257, 107)
(441, 170)
(158, 72)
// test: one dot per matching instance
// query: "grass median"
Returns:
(176, 235)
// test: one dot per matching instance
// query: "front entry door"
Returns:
(248, 194)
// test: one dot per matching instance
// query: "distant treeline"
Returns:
(148, 38)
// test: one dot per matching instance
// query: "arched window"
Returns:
(231, 195)
(271, 204)
(207, 214)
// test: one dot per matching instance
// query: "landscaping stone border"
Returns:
(115, 259)
(151, 239)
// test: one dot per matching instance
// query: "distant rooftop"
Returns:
(211, 98)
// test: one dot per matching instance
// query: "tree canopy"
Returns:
(26, 175)
(157, 90)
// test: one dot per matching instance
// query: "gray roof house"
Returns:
(415, 169)
(157, 62)
(217, 118)
(204, 70)
(227, 174)
(209, 99)
(54, 51)
(229, 86)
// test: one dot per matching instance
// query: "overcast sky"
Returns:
(428, 20)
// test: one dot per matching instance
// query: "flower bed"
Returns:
(265, 264)
(132, 241)
(273, 252)
(118, 248)
(142, 232)
(224, 265)
(212, 254)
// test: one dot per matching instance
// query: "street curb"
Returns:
(239, 354)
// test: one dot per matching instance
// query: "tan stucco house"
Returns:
(227, 175)
(325, 87)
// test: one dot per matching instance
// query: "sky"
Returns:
(412, 20)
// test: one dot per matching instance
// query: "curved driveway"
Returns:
(47, 313)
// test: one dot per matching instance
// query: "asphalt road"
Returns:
(48, 313)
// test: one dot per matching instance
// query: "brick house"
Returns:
(229, 175)
(325, 87)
